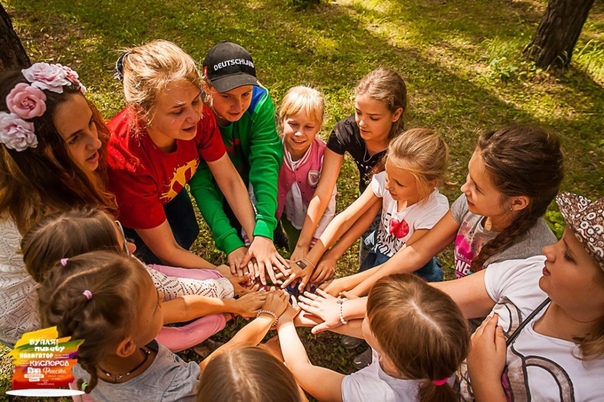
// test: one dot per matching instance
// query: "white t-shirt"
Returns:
(397, 227)
(538, 367)
(373, 384)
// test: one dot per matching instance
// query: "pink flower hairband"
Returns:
(25, 102)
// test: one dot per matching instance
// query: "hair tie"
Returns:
(119, 66)
(438, 383)
(88, 294)
(64, 261)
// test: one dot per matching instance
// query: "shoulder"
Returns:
(347, 127)
(437, 201)
(124, 147)
(371, 383)
(344, 135)
(516, 279)
(181, 378)
(528, 244)
(121, 124)
(260, 100)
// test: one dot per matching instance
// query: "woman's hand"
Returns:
(267, 259)
(234, 260)
(249, 304)
(277, 302)
(322, 305)
(487, 357)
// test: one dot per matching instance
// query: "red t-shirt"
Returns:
(143, 177)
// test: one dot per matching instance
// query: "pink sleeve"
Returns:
(178, 339)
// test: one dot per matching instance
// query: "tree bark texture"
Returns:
(12, 53)
(558, 32)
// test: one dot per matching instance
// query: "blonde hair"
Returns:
(148, 69)
(302, 99)
(386, 86)
(423, 153)
(421, 330)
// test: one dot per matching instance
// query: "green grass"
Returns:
(461, 60)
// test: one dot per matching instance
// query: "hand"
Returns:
(335, 287)
(326, 269)
(241, 284)
(267, 257)
(304, 319)
(277, 302)
(298, 253)
(234, 259)
(349, 295)
(322, 305)
(290, 313)
(298, 273)
(249, 304)
(487, 357)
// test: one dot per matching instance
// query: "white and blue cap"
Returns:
(228, 66)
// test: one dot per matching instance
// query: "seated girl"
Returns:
(513, 175)
(109, 301)
(418, 336)
(409, 201)
(63, 235)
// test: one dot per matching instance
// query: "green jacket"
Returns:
(257, 153)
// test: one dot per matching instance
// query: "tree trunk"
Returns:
(558, 32)
(13, 54)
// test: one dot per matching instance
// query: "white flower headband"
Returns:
(26, 101)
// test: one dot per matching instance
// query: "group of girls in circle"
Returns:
(65, 177)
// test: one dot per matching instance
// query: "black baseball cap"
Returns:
(228, 66)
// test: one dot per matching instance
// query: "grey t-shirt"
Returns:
(169, 378)
(472, 235)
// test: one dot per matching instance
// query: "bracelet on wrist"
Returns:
(268, 312)
(341, 311)
(309, 262)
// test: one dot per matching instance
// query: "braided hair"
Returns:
(521, 161)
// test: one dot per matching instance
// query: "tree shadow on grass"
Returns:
(442, 49)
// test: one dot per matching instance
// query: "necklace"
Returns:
(118, 377)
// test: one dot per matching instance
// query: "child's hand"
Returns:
(298, 253)
(249, 304)
(290, 313)
(335, 287)
(297, 273)
(241, 284)
(326, 269)
(276, 302)
(324, 306)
